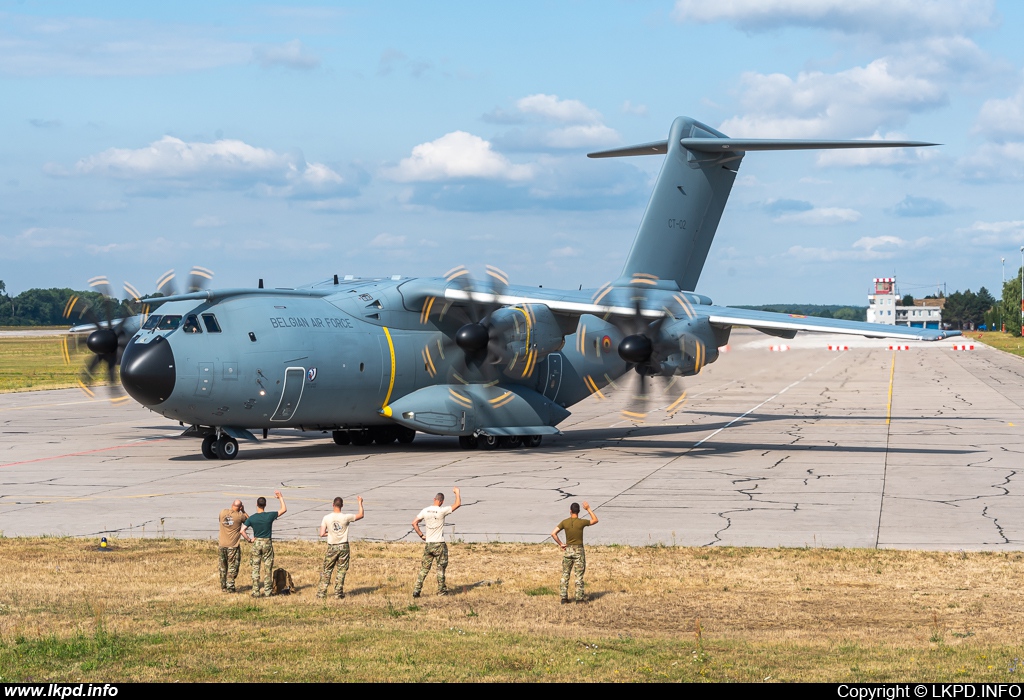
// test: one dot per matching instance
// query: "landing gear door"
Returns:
(294, 380)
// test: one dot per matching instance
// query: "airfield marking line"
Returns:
(45, 405)
(85, 452)
(730, 423)
(892, 374)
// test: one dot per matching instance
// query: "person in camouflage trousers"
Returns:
(334, 527)
(432, 518)
(232, 529)
(574, 558)
(262, 553)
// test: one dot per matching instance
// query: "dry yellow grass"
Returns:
(33, 363)
(152, 610)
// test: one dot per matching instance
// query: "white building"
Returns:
(884, 307)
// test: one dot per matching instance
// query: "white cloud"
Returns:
(291, 54)
(225, 163)
(556, 124)
(816, 104)
(1003, 119)
(93, 47)
(566, 252)
(887, 18)
(457, 155)
(823, 216)
(630, 108)
(555, 109)
(387, 240)
(994, 161)
(867, 248)
(995, 234)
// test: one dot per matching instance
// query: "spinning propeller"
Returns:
(477, 333)
(114, 323)
(653, 346)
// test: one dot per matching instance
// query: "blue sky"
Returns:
(292, 142)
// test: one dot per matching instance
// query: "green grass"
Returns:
(32, 363)
(1002, 341)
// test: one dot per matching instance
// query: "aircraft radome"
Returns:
(376, 360)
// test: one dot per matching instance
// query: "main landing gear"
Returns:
(492, 442)
(382, 435)
(223, 447)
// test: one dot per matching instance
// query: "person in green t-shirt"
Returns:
(573, 556)
(262, 524)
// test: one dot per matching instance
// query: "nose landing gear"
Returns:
(223, 447)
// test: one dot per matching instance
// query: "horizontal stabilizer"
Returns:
(726, 144)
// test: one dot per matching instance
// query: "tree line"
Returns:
(45, 307)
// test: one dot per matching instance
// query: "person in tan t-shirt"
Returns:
(573, 556)
(231, 532)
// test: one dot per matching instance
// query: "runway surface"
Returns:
(793, 448)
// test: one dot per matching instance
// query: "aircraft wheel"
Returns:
(514, 442)
(406, 435)
(488, 442)
(362, 438)
(383, 436)
(341, 437)
(532, 440)
(210, 446)
(468, 442)
(227, 447)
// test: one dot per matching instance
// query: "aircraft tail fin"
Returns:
(689, 197)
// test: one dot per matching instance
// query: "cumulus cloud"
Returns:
(824, 216)
(1002, 119)
(454, 156)
(885, 18)
(630, 108)
(817, 104)
(291, 54)
(994, 161)
(551, 123)
(227, 163)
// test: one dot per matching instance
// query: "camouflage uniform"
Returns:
(262, 553)
(432, 551)
(230, 560)
(573, 558)
(337, 554)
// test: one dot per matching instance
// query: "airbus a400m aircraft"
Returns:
(376, 360)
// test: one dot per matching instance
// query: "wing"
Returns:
(787, 325)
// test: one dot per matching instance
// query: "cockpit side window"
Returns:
(169, 323)
(191, 325)
(152, 322)
(210, 321)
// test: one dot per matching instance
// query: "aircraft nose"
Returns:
(147, 371)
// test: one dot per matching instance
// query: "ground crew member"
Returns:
(231, 531)
(573, 556)
(262, 524)
(432, 518)
(334, 527)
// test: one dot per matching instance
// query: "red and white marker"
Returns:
(778, 348)
(838, 348)
(899, 347)
(963, 347)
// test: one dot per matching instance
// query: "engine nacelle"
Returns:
(527, 333)
(686, 346)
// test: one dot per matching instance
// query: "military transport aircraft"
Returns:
(376, 360)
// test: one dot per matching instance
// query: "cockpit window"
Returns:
(152, 322)
(210, 321)
(191, 325)
(168, 323)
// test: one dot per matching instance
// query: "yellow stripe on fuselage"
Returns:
(391, 384)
